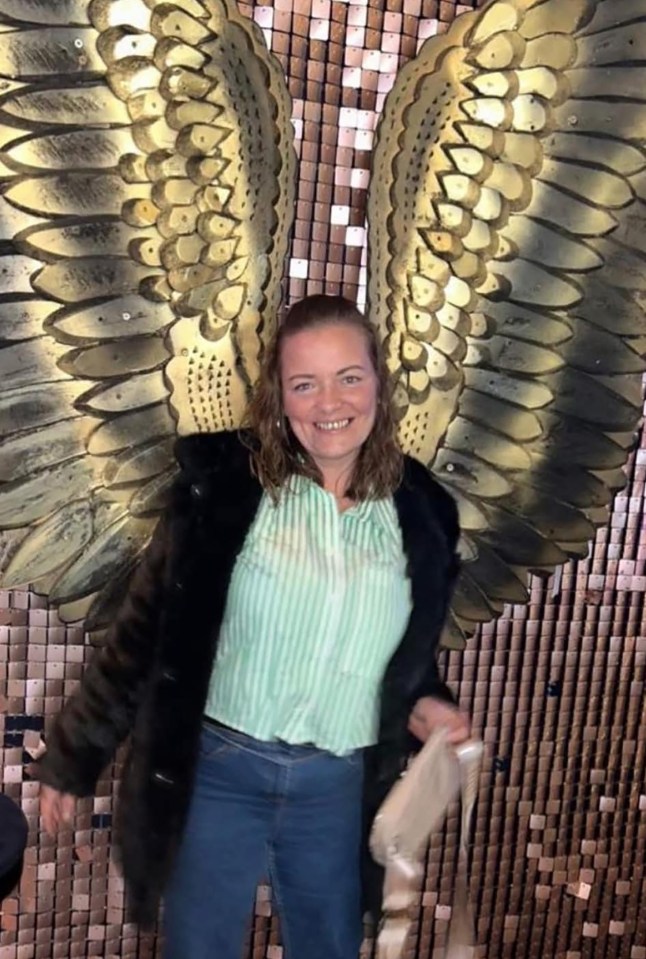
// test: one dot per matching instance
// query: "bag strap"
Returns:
(402, 877)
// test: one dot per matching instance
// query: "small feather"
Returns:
(549, 247)
(623, 268)
(35, 406)
(620, 311)
(495, 577)
(23, 319)
(53, 543)
(50, 53)
(495, 448)
(131, 429)
(75, 150)
(137, 354)
(472, 518)
(608, 189)
(586, 446)
(142, 463)
(554, 16)
(154, 495)
(143, 389)
(561, 210)
(560, 480)
(470, 603)
(617, 45)
(585, 397)
(524, 323)
(512, 355)
(508, 418)
(608, 152)
(601, 118)
(114, 13)
(89, 278)
(109, 551)
(518, 543)
(527, 394)
(16, 274)
(63, 12)
(74, 612)
(555, 50)
(471, 474)
(70, 194)
(35, 450)
(620, 82)
(25, 501)
(499, 18)
(120, 318)
(608, 14)
(82, 106)
(30, 363)
(73, 239)
(597, 352)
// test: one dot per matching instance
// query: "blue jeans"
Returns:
(292, 813)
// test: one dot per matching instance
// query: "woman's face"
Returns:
(329, 391)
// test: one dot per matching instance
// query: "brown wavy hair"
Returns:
(276, 452)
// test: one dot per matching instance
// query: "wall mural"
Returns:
(149, 184)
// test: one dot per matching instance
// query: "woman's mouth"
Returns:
(333, 426)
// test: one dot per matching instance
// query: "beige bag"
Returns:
(414, 807)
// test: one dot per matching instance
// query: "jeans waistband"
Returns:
(270, 746)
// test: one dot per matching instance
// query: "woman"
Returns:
(273, 653)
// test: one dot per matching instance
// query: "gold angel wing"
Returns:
(148, 171)
(507, 271)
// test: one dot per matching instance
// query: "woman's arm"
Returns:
(433, 704)
(100, 714)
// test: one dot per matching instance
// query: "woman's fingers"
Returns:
(429, 714)
(56, 808)
(68, 808)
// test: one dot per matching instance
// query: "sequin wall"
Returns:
(556, 688)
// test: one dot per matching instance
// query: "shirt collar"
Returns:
(363, 510)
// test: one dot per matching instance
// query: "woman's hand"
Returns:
(56, 808)
(429, 714)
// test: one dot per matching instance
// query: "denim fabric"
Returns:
(259, 809)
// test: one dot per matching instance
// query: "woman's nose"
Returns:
(330, 396)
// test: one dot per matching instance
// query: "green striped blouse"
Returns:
(317, 604)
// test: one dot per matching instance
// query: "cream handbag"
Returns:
(414, 807)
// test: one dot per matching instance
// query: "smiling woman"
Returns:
(322, 407)
(273, 686)
(330, 397)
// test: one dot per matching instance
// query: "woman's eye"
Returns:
(301, 387)
(351, 378)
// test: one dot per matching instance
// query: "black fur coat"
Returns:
(151, 678)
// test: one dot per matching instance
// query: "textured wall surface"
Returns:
(556, 688)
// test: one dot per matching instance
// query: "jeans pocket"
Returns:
(213, 745)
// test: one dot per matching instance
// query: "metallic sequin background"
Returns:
(556, 688)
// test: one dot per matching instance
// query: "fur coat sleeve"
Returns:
(99, 716)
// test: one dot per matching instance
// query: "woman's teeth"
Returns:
(336, 425)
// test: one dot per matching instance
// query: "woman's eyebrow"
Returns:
(312, 376)
(346, 369)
